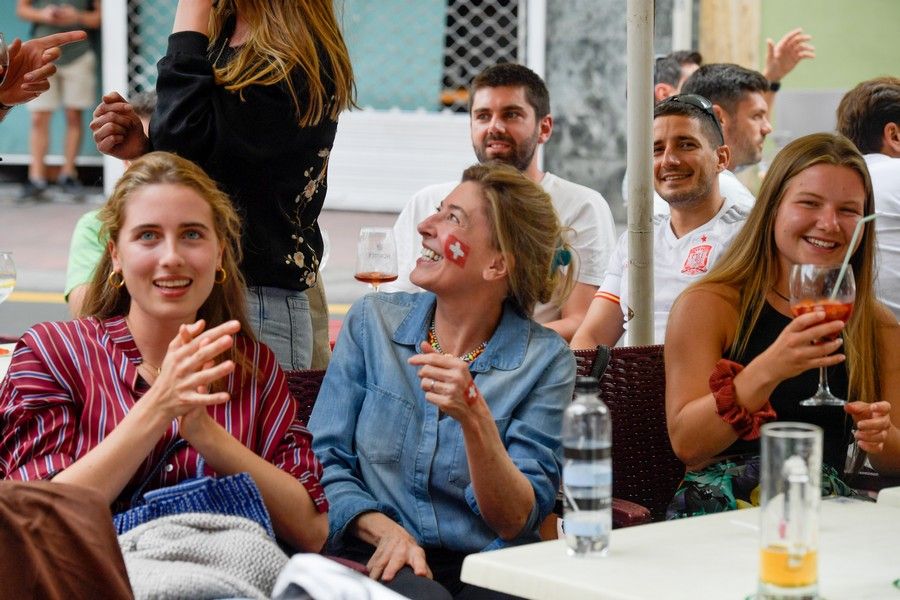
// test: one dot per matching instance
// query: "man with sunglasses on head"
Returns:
(509, 108)
(688, 156)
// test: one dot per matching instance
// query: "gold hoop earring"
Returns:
(116, 283)
(221, 275)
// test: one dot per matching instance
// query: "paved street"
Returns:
(38, 235)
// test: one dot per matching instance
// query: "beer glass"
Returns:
(790, 492)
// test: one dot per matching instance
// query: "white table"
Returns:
(5, 359)
(714, 556)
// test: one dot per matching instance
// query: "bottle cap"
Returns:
(588, 385)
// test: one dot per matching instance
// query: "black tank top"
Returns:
(787, 395)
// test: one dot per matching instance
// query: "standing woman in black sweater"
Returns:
(251, 91)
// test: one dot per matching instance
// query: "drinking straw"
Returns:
(856, 233)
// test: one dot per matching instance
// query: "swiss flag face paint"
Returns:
(456, 251)
(471, 394)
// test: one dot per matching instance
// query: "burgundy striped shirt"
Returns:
(70, 384)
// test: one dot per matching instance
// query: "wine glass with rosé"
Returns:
(813, 288)
(376, 256)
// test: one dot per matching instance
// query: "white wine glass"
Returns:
(4, 59)
(7, 275)
(812, 289)
(7, 280)
(376, 256)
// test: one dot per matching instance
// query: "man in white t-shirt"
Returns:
(869, 115)
(510, 118)
(688, 155)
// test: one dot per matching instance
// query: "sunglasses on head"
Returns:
(698, 101)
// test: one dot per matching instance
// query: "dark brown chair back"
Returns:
(304, 385)
(633, 385)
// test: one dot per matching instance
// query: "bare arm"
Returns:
(697, 335)
(783, 56)
(573, 311)
(26, 12)
(394, 546)
(76, 299)
(193, 15)
(878, 423)
(604, 324)
(294, 514)
(118, 130)
(504, 495)
(30, 64)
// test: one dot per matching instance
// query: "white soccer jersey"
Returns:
(677, 262)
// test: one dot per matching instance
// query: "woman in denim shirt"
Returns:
(438, 423)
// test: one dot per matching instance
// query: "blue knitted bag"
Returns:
(235, 495)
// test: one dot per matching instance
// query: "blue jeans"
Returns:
(280, 319)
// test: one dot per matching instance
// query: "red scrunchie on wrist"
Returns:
(746, 424)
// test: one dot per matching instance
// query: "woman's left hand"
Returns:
(447, 382)
(872, 421)
(192, 423)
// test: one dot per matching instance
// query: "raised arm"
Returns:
(514, 478)
(39, 426)
(30, 64)
(699, 331)
(109, 466)
(783, 56)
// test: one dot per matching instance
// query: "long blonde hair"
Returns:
(526, 230)
(226, 301)
(751, 266)
(286, 35)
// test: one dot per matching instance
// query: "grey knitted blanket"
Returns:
(201, 555)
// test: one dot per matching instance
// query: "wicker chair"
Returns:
(632, 384)
(304, 385)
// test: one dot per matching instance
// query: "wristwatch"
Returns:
(774, 86)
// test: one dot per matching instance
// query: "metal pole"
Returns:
(536, 36)
(682, 25)
(639, 107)
(536, 46)
(114, 34)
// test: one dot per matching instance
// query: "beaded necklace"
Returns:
(467, 357)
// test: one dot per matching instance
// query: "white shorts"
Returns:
(73, 86)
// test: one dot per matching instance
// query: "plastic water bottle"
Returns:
(587, 471)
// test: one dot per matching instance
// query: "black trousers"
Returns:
(445, 566)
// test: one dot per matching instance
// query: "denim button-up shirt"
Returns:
(385, 448)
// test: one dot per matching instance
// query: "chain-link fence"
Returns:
(407, 54)
(149, 25)
(478, 34)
